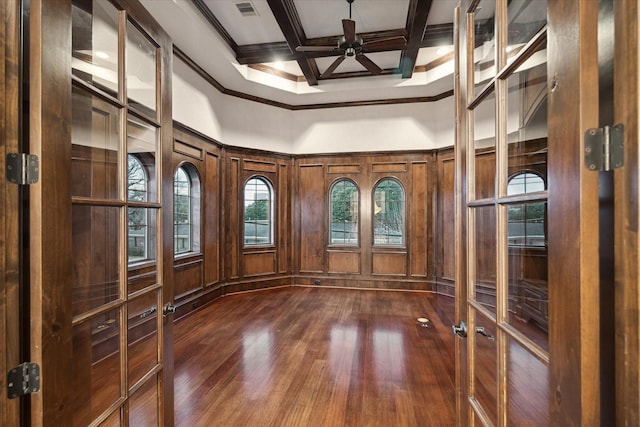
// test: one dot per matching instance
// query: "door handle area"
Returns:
(168, 309)
(480, 330)
(459, 331)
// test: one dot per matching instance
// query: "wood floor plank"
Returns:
(316, 357)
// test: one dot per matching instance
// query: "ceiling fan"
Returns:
(352, 45)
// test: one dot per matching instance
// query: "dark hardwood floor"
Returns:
(306, 356)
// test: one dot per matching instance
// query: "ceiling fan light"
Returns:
(350, 51)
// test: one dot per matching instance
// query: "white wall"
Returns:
(238, 122)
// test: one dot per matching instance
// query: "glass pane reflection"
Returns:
(141, 161)
(485, 369)
(95, 44)
(527, 388)
(484, 135)
(94, 147)
(95, 274)
(141, 69)
(484, 52)
(525, 19)
(143, 405)
(96, 360)
(485, 256)
(143, 335)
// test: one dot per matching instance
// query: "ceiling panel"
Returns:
(261, 28)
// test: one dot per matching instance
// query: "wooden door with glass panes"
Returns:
(507, 294)
(120, 128)
(522, 257)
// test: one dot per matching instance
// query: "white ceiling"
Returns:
(197, 38)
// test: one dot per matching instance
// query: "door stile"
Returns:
(10, 283)
(573, 205)
(460, 149)
(627, 239)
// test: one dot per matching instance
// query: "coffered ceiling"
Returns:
(252, 47)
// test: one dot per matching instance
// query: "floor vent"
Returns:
(246, 8)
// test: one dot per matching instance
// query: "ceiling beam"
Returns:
(287, 18)
(209, 16)
(416, 24)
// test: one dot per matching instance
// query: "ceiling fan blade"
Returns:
(349, 28)
(315, 48)
(391, 43)
(332, 67)
(368, 64)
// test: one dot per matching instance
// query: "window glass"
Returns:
(186, 210)
(258, 212)
(141, 70)
(388, 210)
(527, 220)
(344, 213)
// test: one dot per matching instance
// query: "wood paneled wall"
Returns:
(365, 265)
(301, 253)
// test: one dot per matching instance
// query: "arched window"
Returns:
(258, 212)
(344, 203)
(388, 213)
(186, 210)
(526, 221)
(137, 218)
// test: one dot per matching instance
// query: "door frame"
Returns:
(627, 216)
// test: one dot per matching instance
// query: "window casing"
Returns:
(186, 210)
(258, 212)
(389, 213)
(344, 202)
(526, 222)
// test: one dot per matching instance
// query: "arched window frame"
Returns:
(137, 217)
(526, 217)
(258, 222)
(344, 214)
(387, 230)
(186, 210)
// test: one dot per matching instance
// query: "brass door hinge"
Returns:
(604, 148)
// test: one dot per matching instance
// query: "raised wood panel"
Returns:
(259, 166)
(343, 169)
(417, 234)
(188, 277)
(211, 219)
(343, 262)
(187, 149)
(311, 192)
(389, 263)
(259, 263)
(446, 232)
(389, 167)
(284, 217)
(232, 220)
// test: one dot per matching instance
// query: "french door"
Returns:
(528, 273)
(100, 224)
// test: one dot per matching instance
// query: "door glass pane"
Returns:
(484, 52)
(141, 70)
(95, 261)
(97, 366)
(527, 388)
(485, 256)
(528, 290)
(143, 404)
(525, 18)
(95, 44)
(527, 117)
(141, 161)
(143, 335)
(94, 147)
(484, 133)
(486, 367)
(112, 421)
